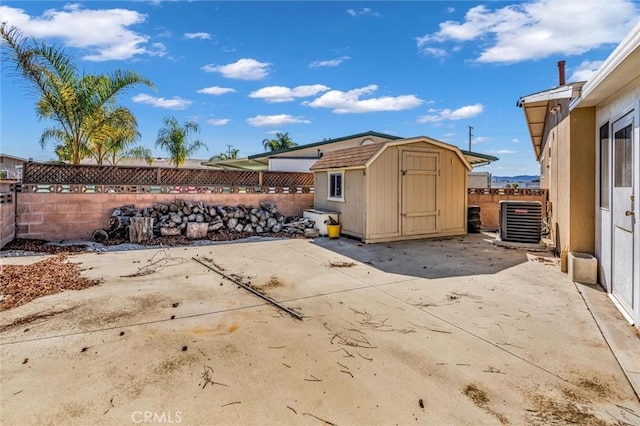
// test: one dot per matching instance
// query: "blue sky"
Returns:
(245, 70)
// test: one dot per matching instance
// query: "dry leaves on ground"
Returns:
(42, 246)
(22, 283)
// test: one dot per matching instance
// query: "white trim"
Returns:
(619, 306)
(329, 197)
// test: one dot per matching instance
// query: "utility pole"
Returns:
(470, 136)
(229, 150)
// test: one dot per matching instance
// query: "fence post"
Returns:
(260, 178)
(158, 176)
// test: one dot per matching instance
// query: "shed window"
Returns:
(336, 186)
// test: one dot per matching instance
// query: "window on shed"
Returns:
(336, 186)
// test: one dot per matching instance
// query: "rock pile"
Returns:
(195, 220)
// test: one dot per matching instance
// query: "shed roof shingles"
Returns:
(348, 157)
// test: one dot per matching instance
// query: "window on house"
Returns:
(336, 186)
(604, 166)
(623, 147)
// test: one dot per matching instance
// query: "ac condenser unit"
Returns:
(520, 221)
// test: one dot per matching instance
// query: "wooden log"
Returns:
(165, 232)
(140, 229)
(118, 222)
(100, 235)
(196, 231)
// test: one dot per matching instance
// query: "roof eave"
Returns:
(325, 142)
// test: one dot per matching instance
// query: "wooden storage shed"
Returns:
(395, 190)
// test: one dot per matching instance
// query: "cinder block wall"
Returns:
(7, 222)
(55, 216)
(490, 206)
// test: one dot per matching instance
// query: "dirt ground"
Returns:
(453, 331)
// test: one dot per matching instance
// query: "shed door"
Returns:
(419, 192)
(623, 213)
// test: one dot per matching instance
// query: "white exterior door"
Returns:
(623, 214)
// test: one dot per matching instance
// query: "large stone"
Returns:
(196, 231)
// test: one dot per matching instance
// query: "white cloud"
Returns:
(218, 121)
(585, 70)
(461, 113)
(436, 51)
(363, 11)
(243, 69)
(329, 63)
(273, 94)
(480, 139)
(537, 29)
(201, 36)
(173, 103)
(103, 34)
(350, 102)
(515, 140)
(216, 90)
(502, 152)
(275, 120)
(451, 9)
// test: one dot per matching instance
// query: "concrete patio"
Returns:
(447, 331)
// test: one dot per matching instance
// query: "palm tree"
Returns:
(231, 155)
(174, 139)
(68, 98)
(280, 142)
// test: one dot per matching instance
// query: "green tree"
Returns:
(231, 155)
(280, 142)
(71, 99)
(174, 139)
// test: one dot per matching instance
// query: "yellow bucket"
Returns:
(333, 231)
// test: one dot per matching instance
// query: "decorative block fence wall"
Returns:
(7, 218)
(59, 202)
(489, 201)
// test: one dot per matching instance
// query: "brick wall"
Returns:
(489, 202)
(62, 216)
(7, 215)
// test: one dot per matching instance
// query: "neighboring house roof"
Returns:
(621, 67)
(537, 105)
(324, 142)
(11, 157)
(238, 164)
(161, 162)
(362, 156)
(478, 159)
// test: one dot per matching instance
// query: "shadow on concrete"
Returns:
(472, 254)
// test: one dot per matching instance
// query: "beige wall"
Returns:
(452, 193)
(567, 169)
(383, 196)
(7, 219)
(353, 212)
(583, 181)
(52, 216)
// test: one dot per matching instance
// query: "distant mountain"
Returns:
(519, 178)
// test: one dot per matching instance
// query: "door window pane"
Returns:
(623, 157)
(604, 166)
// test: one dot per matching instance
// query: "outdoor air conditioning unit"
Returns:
(520, 221)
